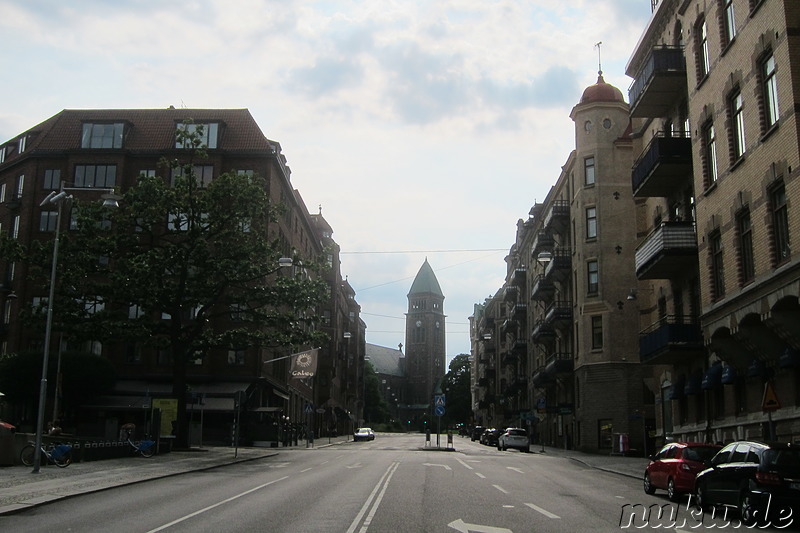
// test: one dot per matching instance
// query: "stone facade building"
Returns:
(715, 130)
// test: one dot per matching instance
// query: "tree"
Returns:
(458, 391)
(175, 256)
(376, 410)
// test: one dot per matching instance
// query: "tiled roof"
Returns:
(385, 360)
(150, 129)
(426, 281)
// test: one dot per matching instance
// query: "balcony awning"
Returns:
(728, 375)
(790, 358)
(693, 384)
(676, 391)
(712, 377)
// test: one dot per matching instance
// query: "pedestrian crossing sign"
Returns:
(770, 401)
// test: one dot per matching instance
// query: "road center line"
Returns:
(548, 514)
(480, 475)
(384, 478)
(465, 465)
(501, 489)
(203, 510)
(306, 470)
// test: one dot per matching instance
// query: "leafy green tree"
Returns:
(376, 410)
(456, 386)
(176, 255)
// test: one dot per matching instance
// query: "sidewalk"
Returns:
(20, 489)
(616, 464)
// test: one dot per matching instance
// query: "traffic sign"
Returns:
(439, 400)
(438, 410)
(309, 408)
(770, 401)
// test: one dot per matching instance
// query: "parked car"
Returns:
(490, 436)
(477, 431)
(514, 438)
(363, 434)
(761, 480)
(675, 467)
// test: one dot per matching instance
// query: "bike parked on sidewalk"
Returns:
(60, 455)
(145, 448)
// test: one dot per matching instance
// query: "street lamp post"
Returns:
(58, 199)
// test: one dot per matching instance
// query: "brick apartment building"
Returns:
(116, 147)
(715, 130)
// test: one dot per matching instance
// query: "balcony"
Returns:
(559, 364)
(559, 266)
(519, 277)
(509, 327)
(671, 340)
(543, 289)
(520, 347)
(543, 333)
(668, 252)
(664, 167)
(559, 314)
(520, 313)
(557, 218)
(543, 242)
(510, 293)
(509, 359)
(660, 83)
(541, 378)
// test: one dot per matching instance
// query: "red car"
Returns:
(675, 466)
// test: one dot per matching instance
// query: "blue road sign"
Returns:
(438, 410)
(438, 400)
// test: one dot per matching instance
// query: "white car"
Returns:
(514, 438)
(363, 434)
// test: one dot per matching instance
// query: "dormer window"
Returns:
(23, 141)
(208, 133)
(102, 135)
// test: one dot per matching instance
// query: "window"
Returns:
(2, 154)
(703, 60)
(20, 187)
(23, 141)
(710, 153)
(235, 357)
(93, 305)
(248, 173)
(746, 261)
(96, 176)
(207, 132)
(737, 123)
(717, 273)
(780, 223)
(52, 178)
(588, 168)
(48, 221)
(592, 277)
(2, 192)
(238, 312)
(133, 354)
(102, 135)
(770, 91)
(15, 227)
(591, 223)
(135, 311)
(203, 174)
(178, 222)
(730, 22)
(597, 332)
(147, 173)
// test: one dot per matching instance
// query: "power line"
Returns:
(423, 251)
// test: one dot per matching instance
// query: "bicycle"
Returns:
(145, 448)
(60, 455)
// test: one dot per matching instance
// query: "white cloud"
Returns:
(417, 125)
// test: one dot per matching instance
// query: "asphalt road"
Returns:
(387, 485)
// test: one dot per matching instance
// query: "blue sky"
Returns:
(422, 127)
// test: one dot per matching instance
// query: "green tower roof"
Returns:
(426, 281)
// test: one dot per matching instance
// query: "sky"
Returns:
(421, 129)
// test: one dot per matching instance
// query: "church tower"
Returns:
(425, 340)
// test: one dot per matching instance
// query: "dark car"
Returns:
(477, 431)
(675, 467)
(490, 436)
(761, 480)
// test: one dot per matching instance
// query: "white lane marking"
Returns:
(508, 506)
(446, 467)
(384, 478)
(480, 475)
(548, 514)
(515, 469)
(356, 465)
(501, 489)
(465, 465)
(463, 527)
(306, 470)
(203, 510)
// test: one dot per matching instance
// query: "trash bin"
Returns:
(7, 444)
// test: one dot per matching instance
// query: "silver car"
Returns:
(514, 438)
